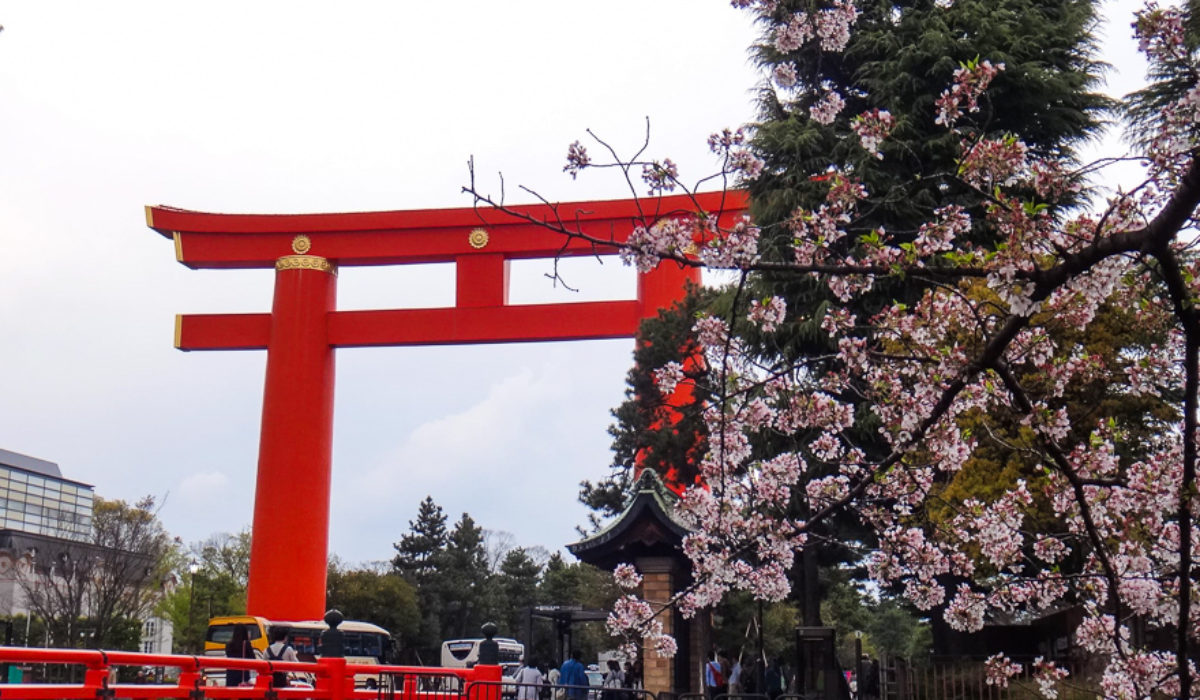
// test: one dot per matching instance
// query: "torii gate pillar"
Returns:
(289, 547)
(296, 445)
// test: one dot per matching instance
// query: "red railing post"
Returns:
(487, 677)
(191, 677)
(333, 681)
(95, 678)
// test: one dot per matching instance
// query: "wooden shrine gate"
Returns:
(304, 327)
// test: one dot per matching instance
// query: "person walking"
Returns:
(614, 680)
(750, 677)
(553, 677)
(280, 650)
(529, 681)
(714, 677)
(573, 675)
(773, 680)
(238, 647)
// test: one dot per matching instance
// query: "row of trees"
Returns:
(464, 576)
(443, 582)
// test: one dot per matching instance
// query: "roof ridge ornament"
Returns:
(649, 480)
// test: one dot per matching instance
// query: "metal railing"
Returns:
(332, 678)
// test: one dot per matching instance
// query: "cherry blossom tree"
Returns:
(992, 337)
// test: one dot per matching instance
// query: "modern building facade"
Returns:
(41, 514)
(36, 499)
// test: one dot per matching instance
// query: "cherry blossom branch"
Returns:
(1064, 466)
(1185, 311)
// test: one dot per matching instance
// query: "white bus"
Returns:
(464, 653)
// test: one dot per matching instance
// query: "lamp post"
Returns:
(193, 569)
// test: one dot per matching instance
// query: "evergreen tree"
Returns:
(462, 580)
(649, 432)
(417, 560)
(584, 585)
(416, 552)
(517, 587)
(901, 55)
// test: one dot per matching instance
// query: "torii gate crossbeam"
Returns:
(288, 558)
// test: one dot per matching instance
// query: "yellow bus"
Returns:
(364, 642)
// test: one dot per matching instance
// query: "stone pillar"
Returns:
(658, 585)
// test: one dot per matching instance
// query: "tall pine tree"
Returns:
(462, 580)
(416, 552)
(417, 560)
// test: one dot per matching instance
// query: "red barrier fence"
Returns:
(332, 679)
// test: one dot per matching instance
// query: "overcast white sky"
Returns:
(301, 107)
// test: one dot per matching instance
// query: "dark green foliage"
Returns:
(462, 580)
(417, 555)
(385, 599)
(516, 588)
(575, 584)
(216, 586)
(456, 592)
(415, 552)
(901, 56)
(886, 625)
(673, 453)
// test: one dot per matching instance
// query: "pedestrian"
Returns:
(714, 677)
(280, 650)
(750, 677)
(553, 677)
(773, 680)
(735, 678)
(636, 681)
(238, 647)
(529, 681)
(614, 680)
(868, 685)
(574, 677)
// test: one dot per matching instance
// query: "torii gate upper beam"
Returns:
(288, 558)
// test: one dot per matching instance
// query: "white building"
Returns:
(39, 512)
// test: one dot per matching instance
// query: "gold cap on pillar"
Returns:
(301, 244)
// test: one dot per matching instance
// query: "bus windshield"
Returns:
(464, 653)
(364, 644)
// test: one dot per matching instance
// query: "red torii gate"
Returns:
(288, 558)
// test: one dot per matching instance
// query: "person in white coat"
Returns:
(529, 681)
